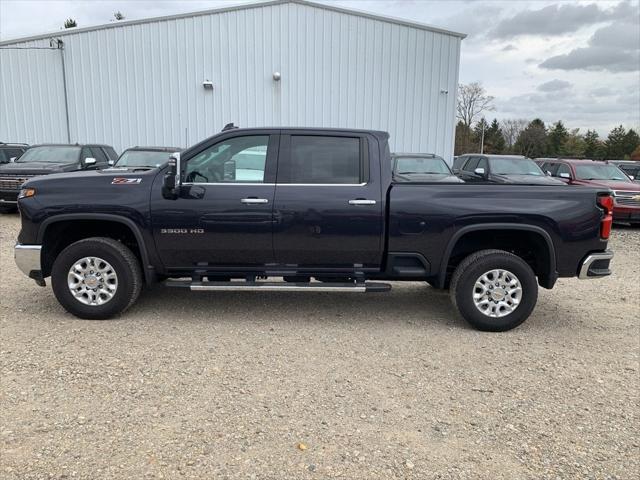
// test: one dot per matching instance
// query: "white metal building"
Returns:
(143, 82)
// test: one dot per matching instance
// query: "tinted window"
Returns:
(550, 167)
(321, 159)
(86, 153)
(51, 154)
(111, 153)
(99, 155)
(458, 162)
(482, 163)
(471, 165)
(235, 160)
(6, 154)
(562, 168)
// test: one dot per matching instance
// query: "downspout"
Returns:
(60, 45)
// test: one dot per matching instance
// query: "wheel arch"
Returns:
(542, 235)
(125, 222)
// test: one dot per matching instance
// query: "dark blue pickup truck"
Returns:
(316, 209)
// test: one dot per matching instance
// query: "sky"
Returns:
(576, 61)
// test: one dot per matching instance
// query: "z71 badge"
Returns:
(125, 181)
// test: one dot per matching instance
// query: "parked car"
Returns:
(421, 167)
(47, 159)
(9, 152)
(502, 169)
(144, 157)
(626, 193)
(630, 167)
(322, 212)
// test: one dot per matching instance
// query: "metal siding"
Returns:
(141, 84)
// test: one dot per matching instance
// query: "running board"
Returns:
(279, 286)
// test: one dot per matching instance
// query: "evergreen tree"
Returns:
(70, 23)
(494, 139)
(557, 136)
(631, 142)
(591, 143)
(532, 141)
(463, 139)
(616, 143)
(574, 145)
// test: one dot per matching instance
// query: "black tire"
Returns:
(124, 263)
(472, 268)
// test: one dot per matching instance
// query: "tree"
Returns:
(635, 155)
(574, 145)
(118, 16)
(511, 128)
(557, 136)
(493, 139)
(532, 141)
(70, 23)
(472, 101)
(591, 143)
(616, 143)
(463, 139)
(631, 142)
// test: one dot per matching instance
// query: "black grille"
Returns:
(628, 199)
(13, 182)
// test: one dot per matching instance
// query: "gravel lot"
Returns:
(228, 385)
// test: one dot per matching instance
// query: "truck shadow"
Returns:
(414, 303)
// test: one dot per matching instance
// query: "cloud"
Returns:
(615, 48)
(554, 86)
(551, 20)
(508, 48)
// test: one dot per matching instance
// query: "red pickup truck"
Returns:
(626, 193)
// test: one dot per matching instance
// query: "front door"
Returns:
(224, 214)
(328, 203)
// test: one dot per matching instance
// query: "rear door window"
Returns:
(319, 159)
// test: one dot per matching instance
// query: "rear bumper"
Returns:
(595, 265)
(28, 261)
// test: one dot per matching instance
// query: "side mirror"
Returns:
(479, 171)
(171, 180)
(548, 173)
(111, 162)
(229, 171)
(565, 175)
(89, 162)
(632, 177)
(12, 159)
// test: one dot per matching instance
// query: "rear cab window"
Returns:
(323, 159)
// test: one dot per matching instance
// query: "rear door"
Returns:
(328, 202)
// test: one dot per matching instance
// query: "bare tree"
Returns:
(511, 128)
(472, 101)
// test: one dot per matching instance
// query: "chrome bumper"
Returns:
(28, 258)
(595, 265)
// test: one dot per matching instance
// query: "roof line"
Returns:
(242, 6)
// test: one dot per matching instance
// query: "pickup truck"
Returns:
(316, 209)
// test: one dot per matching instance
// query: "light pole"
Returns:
(482, 137)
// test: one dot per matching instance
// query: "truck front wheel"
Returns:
(96, 278)
(494, 290)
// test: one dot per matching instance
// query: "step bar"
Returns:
(363, 287)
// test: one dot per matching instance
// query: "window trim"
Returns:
(364, 145)
(273, 146)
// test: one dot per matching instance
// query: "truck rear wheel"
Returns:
(96, 278)
(494, 290)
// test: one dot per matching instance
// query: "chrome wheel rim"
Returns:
(497, 293)
(92, 281)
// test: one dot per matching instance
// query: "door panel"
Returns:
(322, 224)
(227, 222)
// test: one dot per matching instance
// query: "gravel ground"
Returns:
(313, 385)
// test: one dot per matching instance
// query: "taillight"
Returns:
(606, 203)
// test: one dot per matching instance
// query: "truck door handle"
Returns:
(362, 201)
(254, 200)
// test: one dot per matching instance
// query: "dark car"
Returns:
(10, 152)
(316, 208)
(145, 157)
(502, 169)
(46, 159)
(421, 167)
(626, 193)
(630, 167)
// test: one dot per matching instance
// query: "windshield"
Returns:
(51, 154)
(142, 158)
(424, 165)
(600, 172)
(514, 166)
